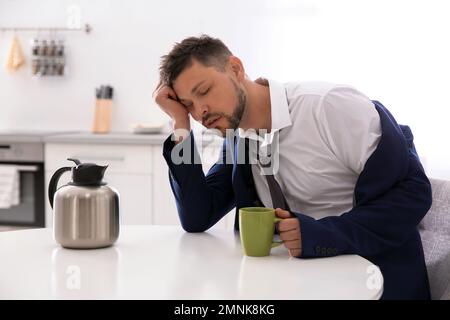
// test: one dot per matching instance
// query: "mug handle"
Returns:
(276, 243)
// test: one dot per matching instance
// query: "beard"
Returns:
(235, 118)
(241, 105)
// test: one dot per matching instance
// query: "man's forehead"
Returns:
(192, 76)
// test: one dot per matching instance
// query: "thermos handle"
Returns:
(53, 185)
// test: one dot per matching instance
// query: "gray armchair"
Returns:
(435, 232)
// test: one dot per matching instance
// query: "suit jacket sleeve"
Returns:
(392, 195)
(201, 200)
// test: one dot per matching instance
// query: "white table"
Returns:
(162, 262)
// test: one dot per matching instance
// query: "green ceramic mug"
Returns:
(256, 228)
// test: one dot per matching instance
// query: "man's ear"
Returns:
(237, 68)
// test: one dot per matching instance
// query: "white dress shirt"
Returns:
(328, 133)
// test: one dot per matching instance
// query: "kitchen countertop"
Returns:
(107, 138)
(129, 138)
(164, 262)
(118, 138)
(28, 136)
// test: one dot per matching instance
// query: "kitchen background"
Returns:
(393, 51)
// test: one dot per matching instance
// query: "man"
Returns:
(348, 178)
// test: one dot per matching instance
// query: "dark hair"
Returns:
(204, 49)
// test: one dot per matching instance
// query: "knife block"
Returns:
(102, 117)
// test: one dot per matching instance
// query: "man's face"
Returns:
(213, 98)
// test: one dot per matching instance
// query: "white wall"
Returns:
(394, 51)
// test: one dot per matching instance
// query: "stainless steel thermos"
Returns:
(86, 210)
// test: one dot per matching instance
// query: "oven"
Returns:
(22, 161)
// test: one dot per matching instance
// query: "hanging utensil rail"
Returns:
(86, 28)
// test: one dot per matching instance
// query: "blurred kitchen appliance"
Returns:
(26, 152)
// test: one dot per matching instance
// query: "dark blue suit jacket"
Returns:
(392, 195)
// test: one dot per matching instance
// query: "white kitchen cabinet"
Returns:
(137, 171)
(134, 191)
(135, 197)
(127, 159)
(129, 171)
(164, 208)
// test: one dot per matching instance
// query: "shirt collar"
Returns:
(280, 115)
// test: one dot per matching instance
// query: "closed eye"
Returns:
(205, 92)
(185, 103)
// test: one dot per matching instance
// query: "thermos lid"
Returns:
(87, 174)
